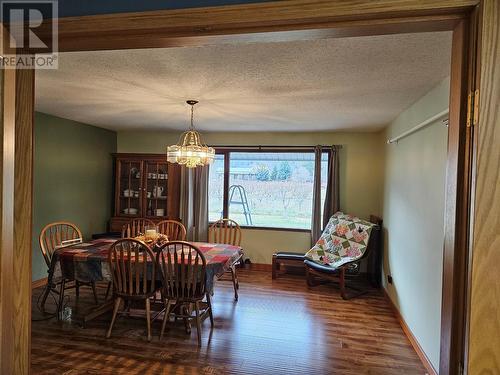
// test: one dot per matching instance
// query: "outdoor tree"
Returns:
(285, 171)
(301, 174)
(262, 172)
(288, 194)
(274, 173)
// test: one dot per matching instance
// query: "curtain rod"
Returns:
(260, 147)
(423, 124)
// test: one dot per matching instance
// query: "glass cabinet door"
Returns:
(156, 189)
(130, 188)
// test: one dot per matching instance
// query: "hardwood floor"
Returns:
(276, 327)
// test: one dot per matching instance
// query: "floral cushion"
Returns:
(343, 240)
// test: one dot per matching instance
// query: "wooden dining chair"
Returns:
(135, 227)
(228, 232)
(134, 271)
(174, 230)
(183, 269)
(52, 237)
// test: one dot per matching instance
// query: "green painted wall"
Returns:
(73, 178)
(414, 196)
(361, 175)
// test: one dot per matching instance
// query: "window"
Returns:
(265, 189)
(216, 189)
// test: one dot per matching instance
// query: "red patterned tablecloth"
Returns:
(88, 261)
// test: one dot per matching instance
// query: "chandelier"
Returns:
(190, 151)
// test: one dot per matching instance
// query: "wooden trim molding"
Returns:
(266, 21)
(8, 357)
(23, 205)
(456, 216)
(275, 229)
(413, 340)
(16, 203)
(38, 283)
(484, 343)
(263, 267)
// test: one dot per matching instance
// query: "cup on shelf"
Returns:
(130, 211)
(149, 194)
(128, 193)
(136, 194)
(160, 212)
(158, 191)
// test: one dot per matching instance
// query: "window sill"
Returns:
(276, 229)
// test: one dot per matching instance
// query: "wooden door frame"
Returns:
(16, 166)
(23, 214)
(483, 356)
(296, 20)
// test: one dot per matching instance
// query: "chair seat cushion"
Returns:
(350, 269)
(320, 268)
(290, 256)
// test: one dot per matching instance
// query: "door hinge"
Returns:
(472, 108)
(476, 107)
(469, 109)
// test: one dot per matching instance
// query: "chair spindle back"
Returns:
(225, 231)
(174, 230)
(55, 235)
(183, 268)
(128, 260)
(135, 227)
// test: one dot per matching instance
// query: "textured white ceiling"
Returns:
(359, 83)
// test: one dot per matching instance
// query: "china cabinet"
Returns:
(146, 185)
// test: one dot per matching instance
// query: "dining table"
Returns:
(87, 261)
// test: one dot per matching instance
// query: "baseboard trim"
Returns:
(259, 267)
(38, 283)
(413, 341)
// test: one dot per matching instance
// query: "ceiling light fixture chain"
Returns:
(192, 104)
(192, 117)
